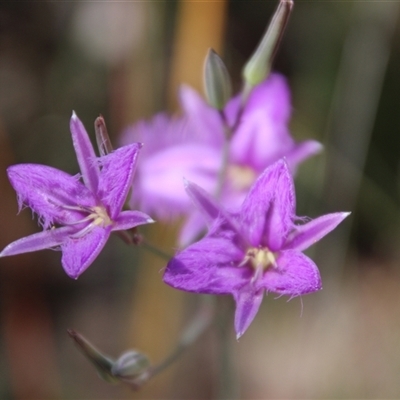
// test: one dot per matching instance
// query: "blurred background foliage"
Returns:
(126, 60)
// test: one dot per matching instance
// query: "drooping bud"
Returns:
(103, 140)
(258, 67)
(102, 363)
(217, 82)
(130, 365)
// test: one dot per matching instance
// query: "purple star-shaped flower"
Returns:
(257, 250)
(192, 147)
(76, 216)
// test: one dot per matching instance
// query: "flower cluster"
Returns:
(237, 157)
(253, 245)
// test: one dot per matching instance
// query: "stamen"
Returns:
(88, 218)
(76, 208)
(98, 215)
(84, 231)
(260, 259)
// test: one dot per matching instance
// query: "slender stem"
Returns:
(155, 250)
(228, 387)
(192, 332)
(132, 238)
(196, 327)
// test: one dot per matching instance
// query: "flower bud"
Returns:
(217, 82)
(102, 363)
(103, 140)
(259, 66)
(130, 365)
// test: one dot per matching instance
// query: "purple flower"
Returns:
(76, 216)
(192, 147)
(257, 250)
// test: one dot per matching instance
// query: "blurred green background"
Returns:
(125, 60)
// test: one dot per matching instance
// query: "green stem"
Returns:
(155, 250)
(197, 326)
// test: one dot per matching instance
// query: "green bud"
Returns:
(217, 82)
(259, 66)
(130, 365)
(102, 363)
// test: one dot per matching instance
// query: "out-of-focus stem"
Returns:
(196, 327)
(193, 331)
(155, 250)
(228, 386)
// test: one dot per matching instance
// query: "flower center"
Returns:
(241, 177)
(260, 259)
(97, 216)
(100, 216)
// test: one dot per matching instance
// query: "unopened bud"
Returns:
(102, 363)
(259, 66)
(103, 140)
(217, 82)
(130, 365)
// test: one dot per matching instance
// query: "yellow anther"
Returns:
(260, 258)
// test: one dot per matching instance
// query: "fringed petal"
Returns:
(268, 211)
(49, 192)
(294, 275)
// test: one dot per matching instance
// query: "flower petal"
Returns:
(84, 153)
(208, 267)
(301, 152)
(248, 300)
(46, 190)
(157, 134)
(267, 212)
(38, 241)
(192, 229)
(204, 123)
(262, 137)
(210, 210)
(116, 177)
(208, 206)
(130, 219)
(295, 274)
(159, 189)
(306, 235)
(80, 252)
